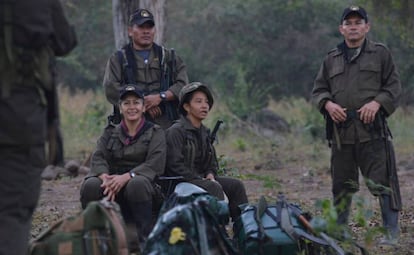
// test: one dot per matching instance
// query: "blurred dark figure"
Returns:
(32, 33)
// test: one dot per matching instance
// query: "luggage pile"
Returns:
(193, 222)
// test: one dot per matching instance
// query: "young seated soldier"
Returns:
(190, 153)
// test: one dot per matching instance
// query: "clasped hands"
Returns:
(112, 184)
(366, 113)
(152, 105)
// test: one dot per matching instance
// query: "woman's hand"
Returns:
(210, 177)
(112, 184)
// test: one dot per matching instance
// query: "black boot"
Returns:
(142, 215)
(389, 221)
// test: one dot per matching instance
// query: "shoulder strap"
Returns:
(191, 148)
(128, 64)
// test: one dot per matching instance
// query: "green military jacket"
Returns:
(190, 152)
(144, 156)
(371, 76)
(148, 75)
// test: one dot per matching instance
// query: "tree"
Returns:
(122, 9)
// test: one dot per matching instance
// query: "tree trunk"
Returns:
(122, 9)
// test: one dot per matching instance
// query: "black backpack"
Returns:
(191, 222)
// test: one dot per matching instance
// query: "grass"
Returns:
(247, 153)
(83, 117)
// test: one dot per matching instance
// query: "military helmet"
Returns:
(189, 89)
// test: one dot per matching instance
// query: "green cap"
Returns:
(189, 89)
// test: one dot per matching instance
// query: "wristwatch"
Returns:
(132, 174)
(163, 96)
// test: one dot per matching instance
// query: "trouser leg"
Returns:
(213, 188)
(345, 177)
(236, 193)
(138, 196)
(20, 170)
(142, 213)
(389, 216)
(90, 191)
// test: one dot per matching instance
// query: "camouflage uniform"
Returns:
(371, 75)
(191, 155)
(30, 32)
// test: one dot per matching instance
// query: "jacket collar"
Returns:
(187, 124)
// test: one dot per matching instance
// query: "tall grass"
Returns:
(83, 117)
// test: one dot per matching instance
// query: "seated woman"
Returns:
(127, 158)
(190, 153)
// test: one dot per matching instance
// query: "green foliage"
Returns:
(83, 117)
(225, 169)
(94, 118)
(240, 144)
(84, 67)
(246, 97)
(269, 182)
(361, 216)
(251, 49)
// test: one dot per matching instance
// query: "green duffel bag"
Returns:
(259, 231)
(97, 230)
(283, 229)
(264, 229)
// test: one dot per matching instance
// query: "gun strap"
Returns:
(336, 136)
(8, 42)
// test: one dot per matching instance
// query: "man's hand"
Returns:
(151, 101)
(368, 111)
(336, 112)
(154, 112)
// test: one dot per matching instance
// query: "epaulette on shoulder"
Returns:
(380, 45)
(333, 52)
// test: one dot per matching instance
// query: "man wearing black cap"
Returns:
(155, 70)
(356, 89)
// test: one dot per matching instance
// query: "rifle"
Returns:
(167, 79)
(326, 240)
(298, 214)
(395, 195)
(213, 134)
(115, 117)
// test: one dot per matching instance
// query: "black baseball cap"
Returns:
(141, 16)
(130, 89)
(354, 9)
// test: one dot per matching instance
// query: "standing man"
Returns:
(356, 89)
(155, 70)
(30, 33)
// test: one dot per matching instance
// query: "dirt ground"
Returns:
(60, 199)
